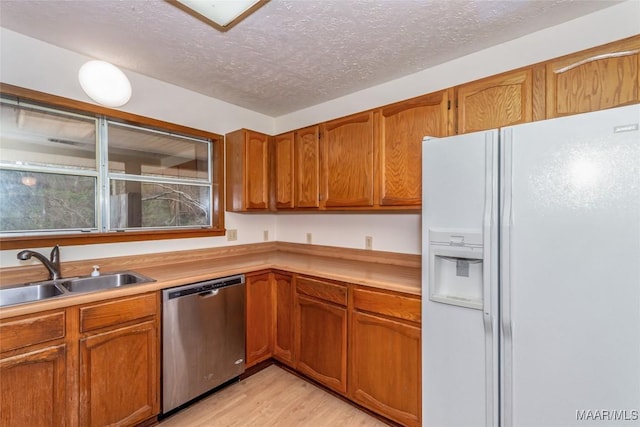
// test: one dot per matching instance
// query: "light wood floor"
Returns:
(272, 397)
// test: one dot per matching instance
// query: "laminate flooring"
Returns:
(271, 397)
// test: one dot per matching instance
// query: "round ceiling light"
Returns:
(105, 83)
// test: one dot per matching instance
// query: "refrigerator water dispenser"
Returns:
(455, 267)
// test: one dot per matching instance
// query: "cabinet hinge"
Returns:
(449, 105)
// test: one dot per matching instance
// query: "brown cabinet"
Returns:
(247, 171)
(92, 365)
(347, 164)
(284, 327)
(384, 354)
(502, 100)
(119, 361)
(33, 371)
(307, 167)
(595, 79)
(259, 312)
(284, 183)
(321, 332)
(402, 127)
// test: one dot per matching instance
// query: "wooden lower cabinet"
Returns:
(90, 365)
(385, 354)
(34, 379)
(33, 388)
(385, 367)
(283, 337)
(118, 376)
(321, 342)
(259, 318)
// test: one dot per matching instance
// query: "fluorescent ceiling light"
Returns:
(221, 14)
(105, 83)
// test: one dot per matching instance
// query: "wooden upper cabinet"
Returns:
(348, 152)
(307, 167)
(595, 79)
(502, 100)
(402, 127)
(284, 171)
(247, 170)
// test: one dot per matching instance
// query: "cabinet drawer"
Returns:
(320, 289)
(116, 312)
(388, 304)
(31, 330)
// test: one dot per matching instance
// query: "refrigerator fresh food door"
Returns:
(570, 259)
(459, 305)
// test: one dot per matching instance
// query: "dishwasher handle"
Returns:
(209, 294)
(208, 288)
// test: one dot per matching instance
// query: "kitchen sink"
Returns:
(28, 293)
(38, 291)
(105, 281)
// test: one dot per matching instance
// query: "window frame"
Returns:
(217, 228)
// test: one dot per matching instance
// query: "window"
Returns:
(68, 173)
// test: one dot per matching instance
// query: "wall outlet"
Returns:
(265, 235)
(232, 235)
(368, 242)
(309, 238)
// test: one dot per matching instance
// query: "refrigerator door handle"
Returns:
(490, 280)
(506, 232)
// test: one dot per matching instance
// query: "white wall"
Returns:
(393, 232)
(30, 63)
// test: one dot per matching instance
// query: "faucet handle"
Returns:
(55, 253)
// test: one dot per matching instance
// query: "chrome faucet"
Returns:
(52, 264)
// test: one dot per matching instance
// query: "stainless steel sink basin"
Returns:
(38, 291)
(104, 281)
(28, 293)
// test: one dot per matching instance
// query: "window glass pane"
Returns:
(34, 137)
(46, 201)
(147, 204)
(143, 152)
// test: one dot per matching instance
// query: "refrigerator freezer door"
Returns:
(570, 257)
(460, 342)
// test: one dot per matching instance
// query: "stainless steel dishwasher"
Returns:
(202, 338)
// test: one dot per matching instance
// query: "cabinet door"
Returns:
(402, 128)
(348, 151)
(321, 342)
(307, 167)
(599, 78)
(284, 171)
(247, 171)
(119, 372)
(385, 367)
(259, 325)
(283, 342)
(502, 100)
(256, 170)
(33, 388)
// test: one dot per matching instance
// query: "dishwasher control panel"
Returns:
(206, 286)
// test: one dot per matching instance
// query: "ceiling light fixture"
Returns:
(105, 83)
(220, 14)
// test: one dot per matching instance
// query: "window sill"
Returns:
(24, 242)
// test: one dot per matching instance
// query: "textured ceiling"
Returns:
(290, 54)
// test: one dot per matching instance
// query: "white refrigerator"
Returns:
(531, 274)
